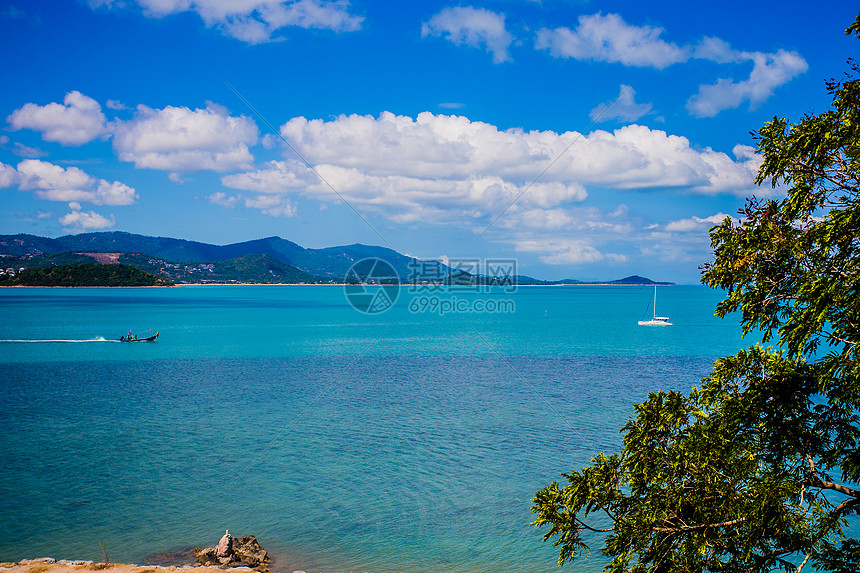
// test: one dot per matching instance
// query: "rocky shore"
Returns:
(237, 554)
(49, 565)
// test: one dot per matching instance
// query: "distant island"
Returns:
(271, 260)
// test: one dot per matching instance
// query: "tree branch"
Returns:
(586, 526)
(698, 527)
(802, 565)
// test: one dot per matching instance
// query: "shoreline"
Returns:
(51, 565)
(406, 285)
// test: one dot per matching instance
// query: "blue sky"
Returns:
(588, 140)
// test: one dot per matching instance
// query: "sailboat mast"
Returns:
(655, 301)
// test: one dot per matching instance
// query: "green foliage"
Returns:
(753, 470)
(86, 275)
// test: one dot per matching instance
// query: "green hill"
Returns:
(256, 269)
(331, 262)
(85, 275)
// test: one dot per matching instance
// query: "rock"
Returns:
(243, 551)
(247, 552)
(223, 549)
(205, 556)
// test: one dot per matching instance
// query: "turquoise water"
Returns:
(396, 442)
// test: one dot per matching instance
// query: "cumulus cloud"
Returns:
(55, 183)
(464, 151)
(695, 223)
(769, 72)
(716, 50)
(79, 221)
(474, 27)
(221, 198)
(8, 176)
(445, 169)
(610, 39)
(256, 21)
(78, 120)
(272, 205)
(174, 139)
(180, 139)
(624, 107)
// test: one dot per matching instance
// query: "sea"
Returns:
(406, 440)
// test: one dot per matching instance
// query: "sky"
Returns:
(583, 139)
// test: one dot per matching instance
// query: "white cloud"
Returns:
(80, 221)
(115, 104)
(221, 198)
(8, 176)
(769, 72)
(610, 39)
(624, 107)
(78, 120)
(442, 169)
(55, 183)
(270, 141)
(271, 205)
(404, 198)
(256, 21)
(474, 27)
(567, 251)
(695, 223)
(179, 139)
(717, 50)
(542, 219)
(466, 151)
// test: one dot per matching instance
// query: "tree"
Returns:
(754, 470)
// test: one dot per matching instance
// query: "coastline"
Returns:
(182, 285)
(50, 565)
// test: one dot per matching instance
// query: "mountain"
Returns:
(247, 269)
(637, 280)
(332, 262)
(271, 259)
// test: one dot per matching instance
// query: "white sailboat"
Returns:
(656, 320)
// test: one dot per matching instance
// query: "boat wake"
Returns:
(43, 340)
